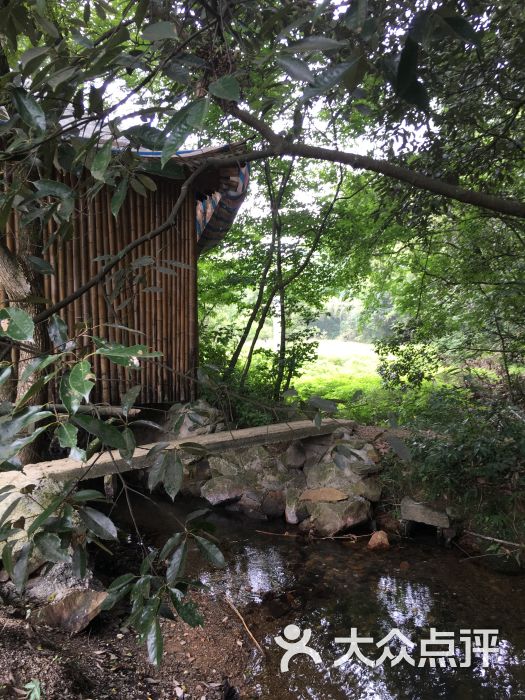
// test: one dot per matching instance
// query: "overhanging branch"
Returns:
(500, 205)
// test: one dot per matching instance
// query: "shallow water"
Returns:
(331, 587)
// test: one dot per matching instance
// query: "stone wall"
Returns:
(324, 484)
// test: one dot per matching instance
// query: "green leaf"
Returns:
(226, 88)
(29, 109)
(5, 374)
(297, 69)
(43, 267)
(129, 399)
(81, 379)
(173, 474)
(147, 562)
(78, 454)
(7, 557)
(328, 79)
(322, 404)
(196, 514)
(155, 643)
(119, 195)
(53, 188)
(129, 439)
(127, 356)
(33, 57)
(315, 43)
(170, 545)
(45, 514)
(61, 76)
(463, 29)
(57, 330)
(115, 596)
(10, 508)
(355, 16)
(120, 582)
(407, 68)
(108, 434)
(98, 523)
(176, 564)
(16, 324)
(188, 612)
(212, 553)
(37, 364)
(87, 495)
(101, 161)
(21, 419)
(67, 435)
(399, 447)
(187, 120)
(156, 473)
(159, 31)
(69, 397)
(79, 562)
(21, 568)
(50, 546)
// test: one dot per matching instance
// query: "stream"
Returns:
(332, 586)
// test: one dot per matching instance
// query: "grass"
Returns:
(342, 368)
(347, 371)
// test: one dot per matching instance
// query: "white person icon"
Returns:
(294, 644)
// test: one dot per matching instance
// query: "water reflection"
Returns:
(337, 587)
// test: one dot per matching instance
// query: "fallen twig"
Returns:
(241, 618)
(494, 539)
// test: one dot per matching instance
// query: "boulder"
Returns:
(295, 509)
(369, 487)
(274, 504)
(329, 475)
(73, 612)
(198, 418)
(221, 489)
(326, 494)
(412, 511)
(317, 449)
(379, 540)
(327, 519)
(295, 456)
(57, 582)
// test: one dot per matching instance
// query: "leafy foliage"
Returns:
(66, 525)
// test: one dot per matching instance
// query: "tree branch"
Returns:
(500, 205)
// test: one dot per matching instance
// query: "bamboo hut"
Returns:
(151, 297)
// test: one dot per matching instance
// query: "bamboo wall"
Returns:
(163, 318)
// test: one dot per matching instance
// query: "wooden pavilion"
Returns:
(153, 291)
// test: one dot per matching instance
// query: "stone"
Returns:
(295, 510)
(412, 511)
(317, 449)
(73, 612)
(57, 582)
(221, 489)
(379, 540)
(326, 494)
(329, 475)
(274, 504)
(327, 519)
(198, 418)
(370, 488)
(295, 456)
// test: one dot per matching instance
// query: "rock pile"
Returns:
(325, 484)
